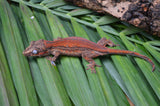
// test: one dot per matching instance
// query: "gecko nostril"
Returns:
(24, 52)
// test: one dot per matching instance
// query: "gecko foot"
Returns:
(51, 59)
(111, 44)
(92, 67)
(104, 42)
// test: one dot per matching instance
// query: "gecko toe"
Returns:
(53, 63)
(93, 70)
(89, 66)
(98, 65)
(49, 58)
(92, 67)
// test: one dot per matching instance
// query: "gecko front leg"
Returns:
(53, 59)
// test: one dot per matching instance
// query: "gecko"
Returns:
(77, 46)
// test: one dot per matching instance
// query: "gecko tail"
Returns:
(123, 52)
(145, 58)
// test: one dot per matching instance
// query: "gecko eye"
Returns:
(34, 52)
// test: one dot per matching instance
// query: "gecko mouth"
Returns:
(26, 53)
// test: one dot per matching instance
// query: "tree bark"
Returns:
(144, 14)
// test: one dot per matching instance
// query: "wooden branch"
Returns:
(144, 14)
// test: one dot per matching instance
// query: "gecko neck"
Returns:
(49, 44)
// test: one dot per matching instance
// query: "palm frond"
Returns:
(34, 81)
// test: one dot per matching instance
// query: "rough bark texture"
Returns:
(144, 14)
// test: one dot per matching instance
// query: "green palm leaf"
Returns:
(34, 81)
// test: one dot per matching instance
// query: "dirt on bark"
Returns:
(144, 14)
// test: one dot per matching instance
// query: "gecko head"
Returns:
(36, 48)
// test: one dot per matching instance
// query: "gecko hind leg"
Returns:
(104, 42)
(92, 63)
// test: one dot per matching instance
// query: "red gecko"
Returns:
(77, 46)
